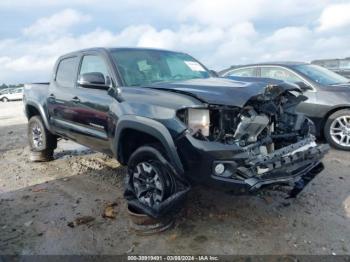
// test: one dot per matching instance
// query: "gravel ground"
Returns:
(38, 200)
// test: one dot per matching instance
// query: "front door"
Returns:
(92, 105)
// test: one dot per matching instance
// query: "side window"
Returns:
(344, 64)
(94, 64)
(243, 72)
(280, 74)
(67, 72)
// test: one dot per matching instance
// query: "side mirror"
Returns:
(94, 80)
(303, 86)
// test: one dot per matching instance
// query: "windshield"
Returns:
(321, 75)
(142, 67)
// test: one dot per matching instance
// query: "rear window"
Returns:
(67, 72)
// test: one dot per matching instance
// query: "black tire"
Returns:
(41, 142)
(333, 123)
(4, 99)
(148, 162)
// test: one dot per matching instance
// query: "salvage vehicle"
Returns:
(165, 116)
(328, 93)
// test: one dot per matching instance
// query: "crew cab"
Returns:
(174, 124)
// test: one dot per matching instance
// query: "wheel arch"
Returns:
(145, 131)
(32, 109)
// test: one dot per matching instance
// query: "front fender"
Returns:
(153, 128)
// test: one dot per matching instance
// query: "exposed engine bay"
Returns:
(271, 114)
(265, 129)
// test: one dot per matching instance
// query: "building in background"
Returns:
(340, 66)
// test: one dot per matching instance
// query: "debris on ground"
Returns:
(131, 249)
(267, 199)
(173, 237)
(36, 190)
(109, 211)
(81, 221)
(27, 224)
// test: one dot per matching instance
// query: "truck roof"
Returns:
(109, 49)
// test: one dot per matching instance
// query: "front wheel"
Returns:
(337, 130)
(149, 177)
(41, 142)
(4, 99)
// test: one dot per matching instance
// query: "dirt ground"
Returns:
(37, 200)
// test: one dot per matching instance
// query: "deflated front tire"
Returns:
(151, 186)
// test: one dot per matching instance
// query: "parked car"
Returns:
(340, 66)
(11, 94)
(328, 93)
(173, 124)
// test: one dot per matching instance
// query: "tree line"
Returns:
(4, 86)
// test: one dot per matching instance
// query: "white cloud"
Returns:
(28, 62)
(334, 17)
(220, 13)
(229, 12)
(57, 23)
(219, 34)
(36, 3)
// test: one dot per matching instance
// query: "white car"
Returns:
(11, 94)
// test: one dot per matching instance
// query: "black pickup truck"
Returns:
(174, 124)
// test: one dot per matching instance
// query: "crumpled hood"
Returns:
(223, 91)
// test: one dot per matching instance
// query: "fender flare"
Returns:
(41, 111)
(150, 127)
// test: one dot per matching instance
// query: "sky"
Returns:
(219, 33)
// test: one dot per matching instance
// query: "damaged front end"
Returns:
(247, 144)
(264, 142)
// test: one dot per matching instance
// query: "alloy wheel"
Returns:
(340, 131)
(148, 185)
(37, 136)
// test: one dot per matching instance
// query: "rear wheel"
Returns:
(41, 142)
(337, 129)
(151, 181)
(4, 99)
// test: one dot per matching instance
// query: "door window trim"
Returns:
(58, 65)
(292, 72)
(258, 71)
(238, 68)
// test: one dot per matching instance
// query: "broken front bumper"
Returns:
(295, 165)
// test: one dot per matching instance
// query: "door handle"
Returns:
(76, 99)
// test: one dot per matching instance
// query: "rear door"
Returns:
(62, 89)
